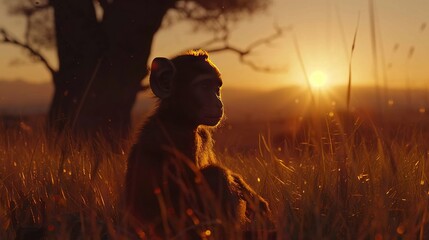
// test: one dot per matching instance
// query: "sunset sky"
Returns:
(324, 30)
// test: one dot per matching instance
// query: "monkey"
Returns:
(173, 181)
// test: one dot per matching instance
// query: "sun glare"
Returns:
(318, 79)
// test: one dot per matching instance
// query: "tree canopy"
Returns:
(102, 45)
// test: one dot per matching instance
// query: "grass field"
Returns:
(327, 180)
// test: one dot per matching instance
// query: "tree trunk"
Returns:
(101, 65)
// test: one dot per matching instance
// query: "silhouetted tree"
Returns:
(103, 48)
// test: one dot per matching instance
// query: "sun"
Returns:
(318, 79)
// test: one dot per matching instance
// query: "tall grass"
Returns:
(44, 190)
(385, 199)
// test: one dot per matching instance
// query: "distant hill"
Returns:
(22, 98)
(287, 101)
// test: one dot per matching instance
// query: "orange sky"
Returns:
(324, 30)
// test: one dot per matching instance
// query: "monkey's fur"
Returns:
(174, 188)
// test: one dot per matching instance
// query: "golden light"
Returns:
(318, 79)
(207, 233)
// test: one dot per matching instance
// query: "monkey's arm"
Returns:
(140, 186)
(255, 203)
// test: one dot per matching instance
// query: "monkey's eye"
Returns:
(205, 85)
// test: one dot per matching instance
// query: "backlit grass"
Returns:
(367, 184)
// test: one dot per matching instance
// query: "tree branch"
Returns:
(104, 4)
(244, 52)
(11, 40)
(30, 10)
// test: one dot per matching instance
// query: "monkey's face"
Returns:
(205, 96)
(190, 88)
(199, 99)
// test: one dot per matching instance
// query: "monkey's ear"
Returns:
(162, 73)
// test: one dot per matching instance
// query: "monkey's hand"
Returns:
(263, 205)
(255, 204)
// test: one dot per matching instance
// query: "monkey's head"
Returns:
(189, 88)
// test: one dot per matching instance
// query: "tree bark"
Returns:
(101, 64)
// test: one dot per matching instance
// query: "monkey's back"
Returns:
(157, 161)
(144, 165)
